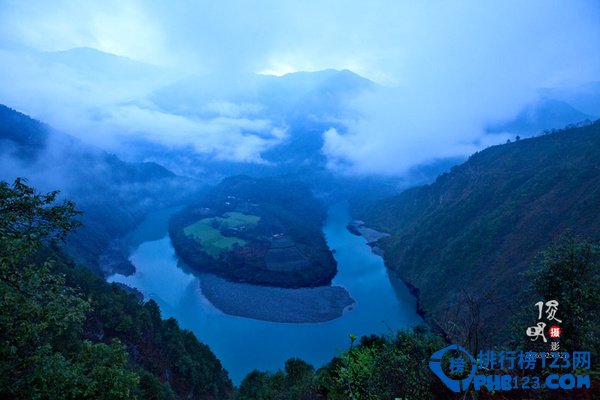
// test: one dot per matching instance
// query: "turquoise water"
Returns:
(383, 303)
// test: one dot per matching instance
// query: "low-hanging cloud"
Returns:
(469, 68)
(107, 109)
(225, 137)
(448, 70)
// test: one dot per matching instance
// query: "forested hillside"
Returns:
(114, 194)
(264, 231)
(464, 240)
(65, 333)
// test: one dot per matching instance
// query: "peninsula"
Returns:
(258, 231)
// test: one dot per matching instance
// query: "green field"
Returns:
(211, 239)
(236, 219)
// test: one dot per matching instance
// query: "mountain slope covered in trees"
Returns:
(65, 333)
(466, 238)
(115, 195)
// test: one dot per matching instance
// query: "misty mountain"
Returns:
(214, 125)
(584, 97)
(21, 136)
(477, 228)
(545, 114)
(114, 194)
(302, 95)
(98, 64)
(303, 104)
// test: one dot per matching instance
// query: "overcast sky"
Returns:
(449, 68)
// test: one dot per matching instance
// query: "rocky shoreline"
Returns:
(358, 228)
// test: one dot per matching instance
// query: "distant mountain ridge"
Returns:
(99, 64)
(304, 104)
(547, 113)
(473, 231)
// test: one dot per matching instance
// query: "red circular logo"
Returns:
(554, 331)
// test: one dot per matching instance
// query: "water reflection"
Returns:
(243, 344)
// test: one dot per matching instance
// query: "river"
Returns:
(383, 303)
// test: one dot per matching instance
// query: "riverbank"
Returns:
(358, 228)
(304, 305)
(381, 305)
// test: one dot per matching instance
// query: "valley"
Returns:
(263, 271)
(472, 234)
(247, 327)
(299, 200)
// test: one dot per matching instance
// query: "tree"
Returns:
(388, 367)
(29, 219)
(255, 386)
(299, 377)
(41, 318)
(569, 272)
(151, 388)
